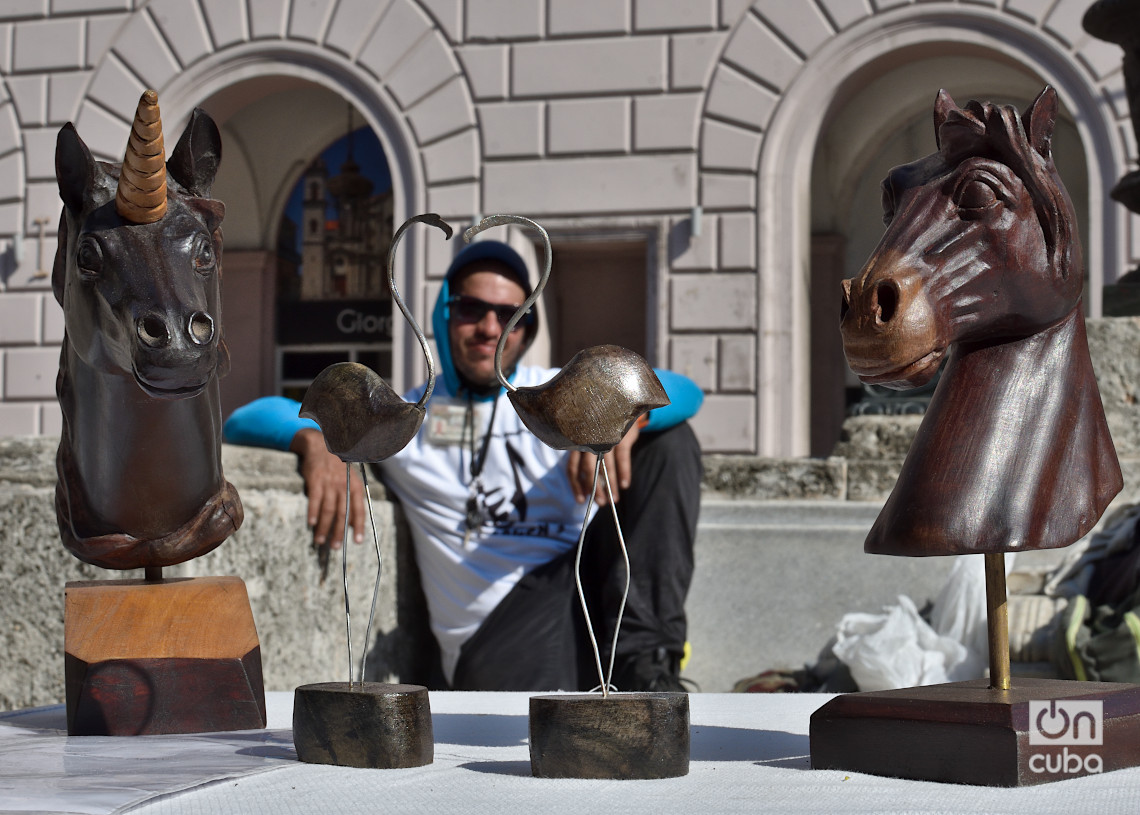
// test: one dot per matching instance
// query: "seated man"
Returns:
(495, 514)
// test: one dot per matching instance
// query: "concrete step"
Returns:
(853, 516)
(722, 511)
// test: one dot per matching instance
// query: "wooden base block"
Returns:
(172, 656)
(968, 733)
(366, 724)
(623, 735)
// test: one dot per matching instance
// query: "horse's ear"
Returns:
(211, 211)
(196, 157)
(1039, 120)
(943, 104)
(59, 266)
(75, 169)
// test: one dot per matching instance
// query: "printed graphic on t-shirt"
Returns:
(505, 508)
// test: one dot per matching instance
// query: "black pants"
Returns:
(535, 639)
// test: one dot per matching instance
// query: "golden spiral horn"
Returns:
(141, 198)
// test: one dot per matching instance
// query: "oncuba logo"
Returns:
(1064, 723)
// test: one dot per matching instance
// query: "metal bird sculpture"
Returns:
(361, 417)
(588, 406)
(363, 420)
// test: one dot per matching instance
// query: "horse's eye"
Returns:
(974, 197)
(89, 258)
(204, 260)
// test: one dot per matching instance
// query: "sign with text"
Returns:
(302, 322)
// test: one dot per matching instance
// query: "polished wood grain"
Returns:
(176, 656)
(138, 274)
(981, 264)
(967, 732)
(621, 736)
(363, 724)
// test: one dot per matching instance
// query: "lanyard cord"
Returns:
(478, 460)
(475, 516)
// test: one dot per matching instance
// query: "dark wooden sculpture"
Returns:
(645, 735)
(589, 406)
(981, 264)
(137, 271)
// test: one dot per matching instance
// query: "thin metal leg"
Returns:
(628, 575)
(997, 621)
(379, 567)
(578, 582)
(344, 566)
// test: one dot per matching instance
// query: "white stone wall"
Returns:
(583, 113)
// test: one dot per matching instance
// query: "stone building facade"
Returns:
(344, 257)
(721, 156)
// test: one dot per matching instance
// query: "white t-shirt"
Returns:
(522, 493)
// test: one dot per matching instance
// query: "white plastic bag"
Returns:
(897, 649)
(960, 613)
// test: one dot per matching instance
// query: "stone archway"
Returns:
(781, 72)
(13, 172)
(393, 62)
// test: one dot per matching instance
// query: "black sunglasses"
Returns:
(467, 309)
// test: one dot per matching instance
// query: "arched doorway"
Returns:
(839, 70)
(332, 302)
(860, 140)
(273, 126)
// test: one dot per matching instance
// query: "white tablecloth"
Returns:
(749, 754)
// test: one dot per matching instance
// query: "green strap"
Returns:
(1133, 623)
(1080, 605)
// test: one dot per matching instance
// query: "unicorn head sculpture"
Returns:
(138, 273)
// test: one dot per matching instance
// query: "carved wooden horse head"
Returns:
(137, 271)
(981, 259)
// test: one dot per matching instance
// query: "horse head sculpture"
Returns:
(981, 263)
(138, 273)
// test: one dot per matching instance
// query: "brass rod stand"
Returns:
(997, 621)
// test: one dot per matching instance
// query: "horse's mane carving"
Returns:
(981, 261)
(997, 130)
(137, 271)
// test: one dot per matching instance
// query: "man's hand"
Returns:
(323, 474)
(580, 468)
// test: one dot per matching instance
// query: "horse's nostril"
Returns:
(152, 331)
(887, 298)
(200, 328)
